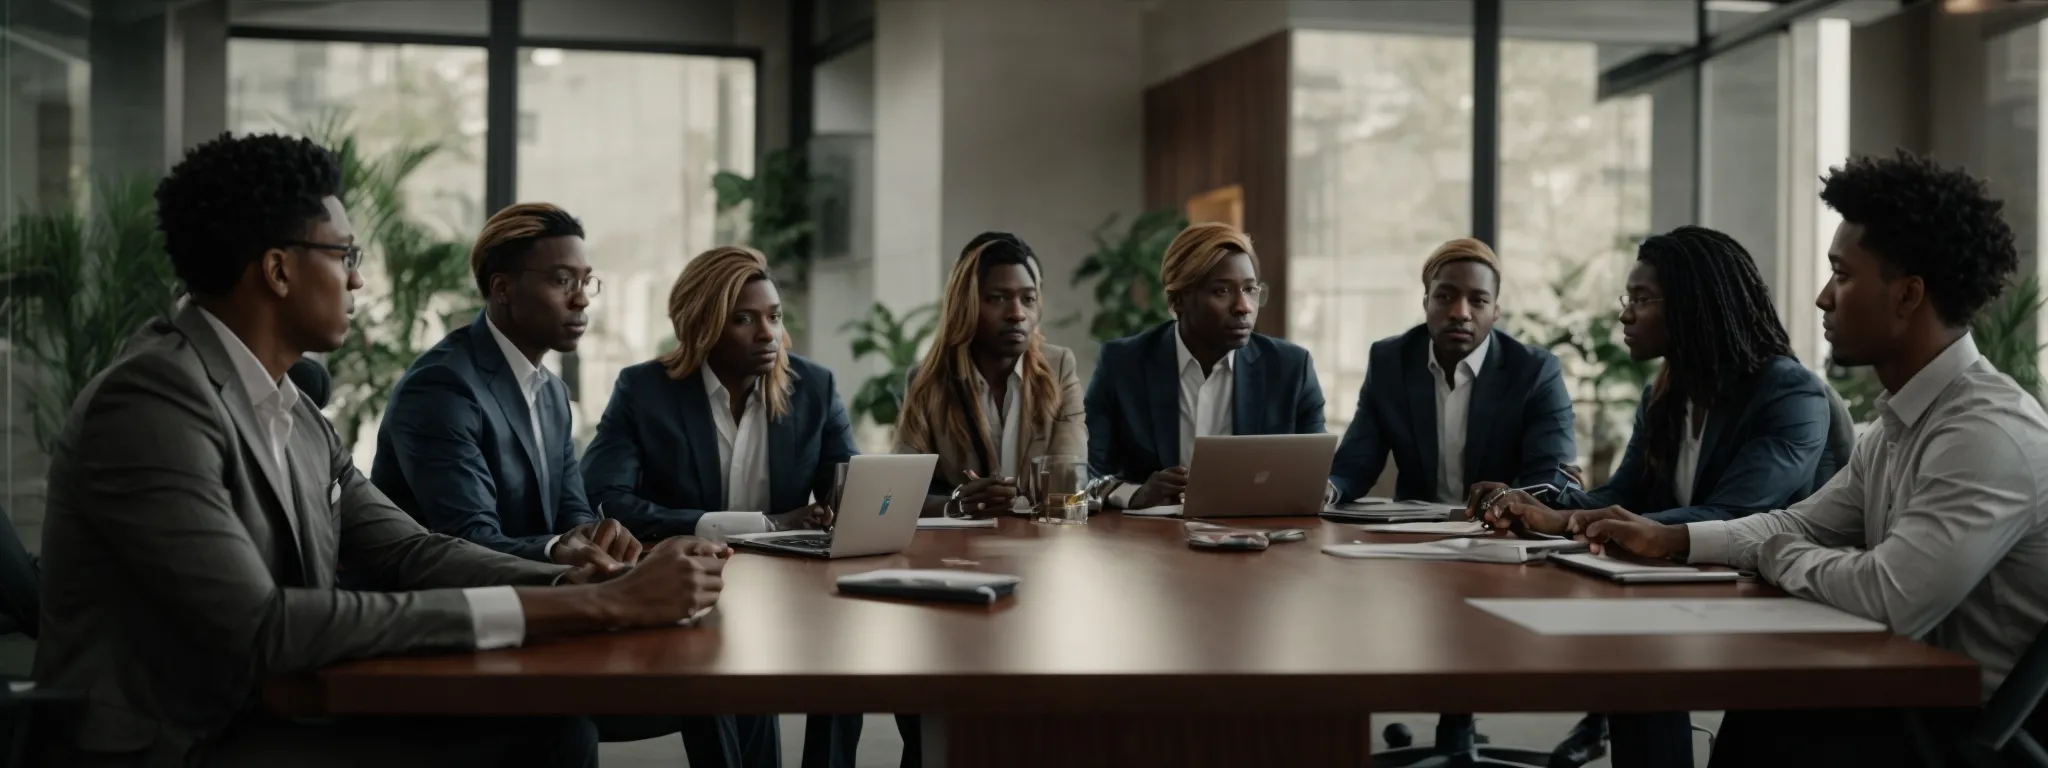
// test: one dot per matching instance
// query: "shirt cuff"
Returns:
(716, 526)
(496, 616)
(1709, 543)
(1121, 497)
(549, 551)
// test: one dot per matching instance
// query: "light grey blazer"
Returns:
(175, 578)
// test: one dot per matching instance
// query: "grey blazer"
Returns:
(176, 579)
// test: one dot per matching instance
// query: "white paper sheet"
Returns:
(1643, 573)
(1445, 528)
(1642, 616)
(1164, 510)
(930, 523)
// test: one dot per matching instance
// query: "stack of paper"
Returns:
(1163, 510)
(1468, 550)
(1445, 528)
(1371, 510)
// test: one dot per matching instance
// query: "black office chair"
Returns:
(312, 379)
(21, 702)
(1996, 736)
(1452, 751)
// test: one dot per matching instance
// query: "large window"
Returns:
(629, 142)
(1381, 174)
(1575, 198)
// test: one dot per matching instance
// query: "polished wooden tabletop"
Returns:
(1121, 617)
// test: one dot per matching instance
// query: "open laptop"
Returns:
(877, 512)
(1259, 475)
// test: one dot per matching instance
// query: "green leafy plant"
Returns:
(425, 285)
(898, 340)
(1605, 383)
(1125, 269)
(74, 287)
(771, 213)
(2004, 333)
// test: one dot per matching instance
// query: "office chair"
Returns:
(21, 702)
(312, 379)
(1460, 748)
(1996, 737)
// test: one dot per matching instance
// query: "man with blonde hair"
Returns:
(1455, 402)
(1204, 373)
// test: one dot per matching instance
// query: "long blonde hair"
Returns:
(701, 303)
(927, 406)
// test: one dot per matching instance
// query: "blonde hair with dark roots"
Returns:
(511, 233)
(701, 303)
(1195, 252)
(1454, 251)
(949, 364)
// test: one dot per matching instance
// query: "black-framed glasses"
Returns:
(567, 282)
(351, 254)
(1631, 302)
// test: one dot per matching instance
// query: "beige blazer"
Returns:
(1068, 435)
(176, 579)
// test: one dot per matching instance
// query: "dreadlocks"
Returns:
(1723, 329)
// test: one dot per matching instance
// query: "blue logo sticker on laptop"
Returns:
(885, 505)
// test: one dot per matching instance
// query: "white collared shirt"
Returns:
(1205, 405)
(496, 619)
(531, 379)
(1938, 526)
(1453, 407)
(1688, 461)
(1001, 418)
(742, 459)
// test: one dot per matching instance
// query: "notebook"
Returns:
(1630, 572)
(1374, 510)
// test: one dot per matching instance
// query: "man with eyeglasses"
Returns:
(1205, 373)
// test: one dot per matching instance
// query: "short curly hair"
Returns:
(233, 198)
(1938, 224)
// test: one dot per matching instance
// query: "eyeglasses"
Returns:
(1631, 302)
(568, 283)
(351, 254)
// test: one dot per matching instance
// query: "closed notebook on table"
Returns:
(1471, 550)
(1631, 572)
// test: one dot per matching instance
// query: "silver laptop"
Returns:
(1259, 475)
(877, 512)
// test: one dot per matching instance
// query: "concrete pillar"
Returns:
(159, 82)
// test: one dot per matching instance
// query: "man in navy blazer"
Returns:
(475, 442)
(1205, 373)
(1454, 401)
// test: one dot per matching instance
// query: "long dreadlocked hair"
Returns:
(948, 367)
(1723, 328)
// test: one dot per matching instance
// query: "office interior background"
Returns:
(863, 142)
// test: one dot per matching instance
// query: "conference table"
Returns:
(1125, 647)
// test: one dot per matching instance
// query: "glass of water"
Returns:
(1060, 492)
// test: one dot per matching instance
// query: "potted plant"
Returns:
(898, 340)
(1129, 297)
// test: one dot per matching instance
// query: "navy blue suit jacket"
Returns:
(1133, 400)
(654, 463)
(1761, 451)
(1518, 428)
(456, 449)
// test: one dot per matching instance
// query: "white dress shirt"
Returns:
(1688, 461)
(1205, 401)
(495, 615)
(743, 459)
(1001, 418)
(1938, 526)
(1453, 406)
(531, 378)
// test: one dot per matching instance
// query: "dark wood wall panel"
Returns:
(1224, 123)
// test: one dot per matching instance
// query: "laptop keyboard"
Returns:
(819, 540)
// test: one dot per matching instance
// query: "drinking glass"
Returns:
(1060, 493)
